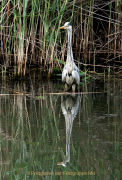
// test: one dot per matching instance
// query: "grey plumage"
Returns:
(70, 74)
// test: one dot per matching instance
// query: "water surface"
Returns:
(49, 135)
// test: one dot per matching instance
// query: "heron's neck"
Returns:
(69, 49)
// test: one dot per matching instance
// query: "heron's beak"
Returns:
(59, 163)
(62, 27)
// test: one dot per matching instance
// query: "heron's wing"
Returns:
(64, 74)
(76, 106)
(76, 75)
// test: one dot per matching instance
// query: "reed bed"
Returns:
(29, 34)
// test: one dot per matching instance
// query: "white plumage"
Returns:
(69, 106)
(70, 74)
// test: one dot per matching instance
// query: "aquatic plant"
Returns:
(29, 33)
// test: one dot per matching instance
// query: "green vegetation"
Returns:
(29, 34)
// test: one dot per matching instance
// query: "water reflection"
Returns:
(36, 135)
(69, 106)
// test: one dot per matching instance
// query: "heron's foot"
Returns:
(73, 87)
(66, 87)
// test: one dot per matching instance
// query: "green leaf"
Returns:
(86, 78)
(82, 73)
(40, 97)
(62, 62)
(81, 83)
(58, 74)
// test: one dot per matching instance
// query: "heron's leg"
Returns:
(73, 87)
(66, 87)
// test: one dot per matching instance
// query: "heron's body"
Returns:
(70, 74)
(69, 106)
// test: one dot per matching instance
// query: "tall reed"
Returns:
(29, 32)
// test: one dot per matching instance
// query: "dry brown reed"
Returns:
(29, 33)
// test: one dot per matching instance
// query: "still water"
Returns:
(49, 135)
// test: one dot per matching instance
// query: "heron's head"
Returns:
(62, 163)
(67, 26)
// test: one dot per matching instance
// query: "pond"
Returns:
(47, 134)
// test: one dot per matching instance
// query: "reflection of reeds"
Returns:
(33, 130)
(29, 32)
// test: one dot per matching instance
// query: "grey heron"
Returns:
(70, 74)
(70, 107)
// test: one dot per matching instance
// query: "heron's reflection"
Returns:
(70, 106)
